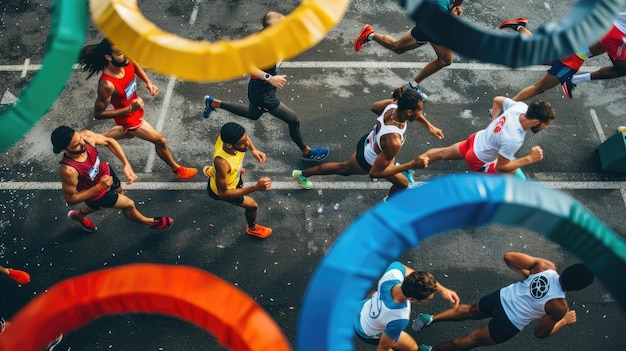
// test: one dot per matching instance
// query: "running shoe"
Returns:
(621, 129)
(418, 90)
(361, 39)
(54, 343)
(88, 224)
(18, 276)
(3, 325)
(259, 231)
(422, 320)
(423, 347)
(162, 223)
(185, 173)
(568, 88)
(208, 109)
(316, 154)
(408, 174)
(304, 182)
(514, 23)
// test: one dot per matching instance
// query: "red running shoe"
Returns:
(162, 223)
(88, 224)
(361, 39)
(514, 23)
(18, 276)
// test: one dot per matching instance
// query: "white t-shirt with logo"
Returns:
(504, 135)
(524, 302)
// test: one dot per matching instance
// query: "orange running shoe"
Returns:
(259, 231)
(18, 276)
(361, 39)
(514, 23)
(185, 173)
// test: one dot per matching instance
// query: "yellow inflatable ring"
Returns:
(121, 21)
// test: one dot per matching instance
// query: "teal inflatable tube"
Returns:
(583, 25)
(382, 234)
(66, 38)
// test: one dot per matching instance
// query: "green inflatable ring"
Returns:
(67, 35)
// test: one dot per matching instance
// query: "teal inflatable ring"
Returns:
(583, 25)
(386, 231)
(67, 35)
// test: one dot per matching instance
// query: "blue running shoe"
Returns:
(208, 100)
(418, 90)
(423, 347)
(316, 154)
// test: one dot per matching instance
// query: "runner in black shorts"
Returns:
(376, 151)
(413, 39)
(262, 96)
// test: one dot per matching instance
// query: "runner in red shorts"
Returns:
(492, 150)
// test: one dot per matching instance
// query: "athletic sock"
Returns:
(370, 37)
(577, 78)
(413, 83)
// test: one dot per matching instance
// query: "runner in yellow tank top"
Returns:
(225, 175)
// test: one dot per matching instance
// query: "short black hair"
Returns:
(61, 138)
(419, 285)
(576, 277)
(231, 133)
(540, 110)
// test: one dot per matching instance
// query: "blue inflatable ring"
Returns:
(382, 234)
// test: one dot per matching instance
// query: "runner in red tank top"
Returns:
(118, 87)
(86, 178)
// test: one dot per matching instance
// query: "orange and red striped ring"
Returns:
(235, 319)
(123, 24)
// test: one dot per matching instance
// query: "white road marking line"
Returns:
(363, 65)
(159, 125)
(25, 67)
(596, 123)
(194, 12)
(292, 185)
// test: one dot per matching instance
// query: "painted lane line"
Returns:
(596, 123)
(291, 185)
(161, 121)
(362, 65)
(194, 12)
(25, 67)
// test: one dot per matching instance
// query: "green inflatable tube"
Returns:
(66, 38)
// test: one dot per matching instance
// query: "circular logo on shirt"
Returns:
(539, 287)
(499, 125)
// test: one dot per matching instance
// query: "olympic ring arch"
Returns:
(382, 234)
(122, 22)
(203, 299)
(67, 35)
(583, 25)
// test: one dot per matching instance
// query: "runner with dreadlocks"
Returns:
(118, 87)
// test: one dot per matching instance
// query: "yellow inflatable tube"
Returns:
(123, 24)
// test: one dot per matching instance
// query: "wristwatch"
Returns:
(267, 76)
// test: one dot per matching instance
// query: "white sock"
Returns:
(370, 37)
(577, 78)
(413, 83)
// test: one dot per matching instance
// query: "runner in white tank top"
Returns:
(377, 158)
